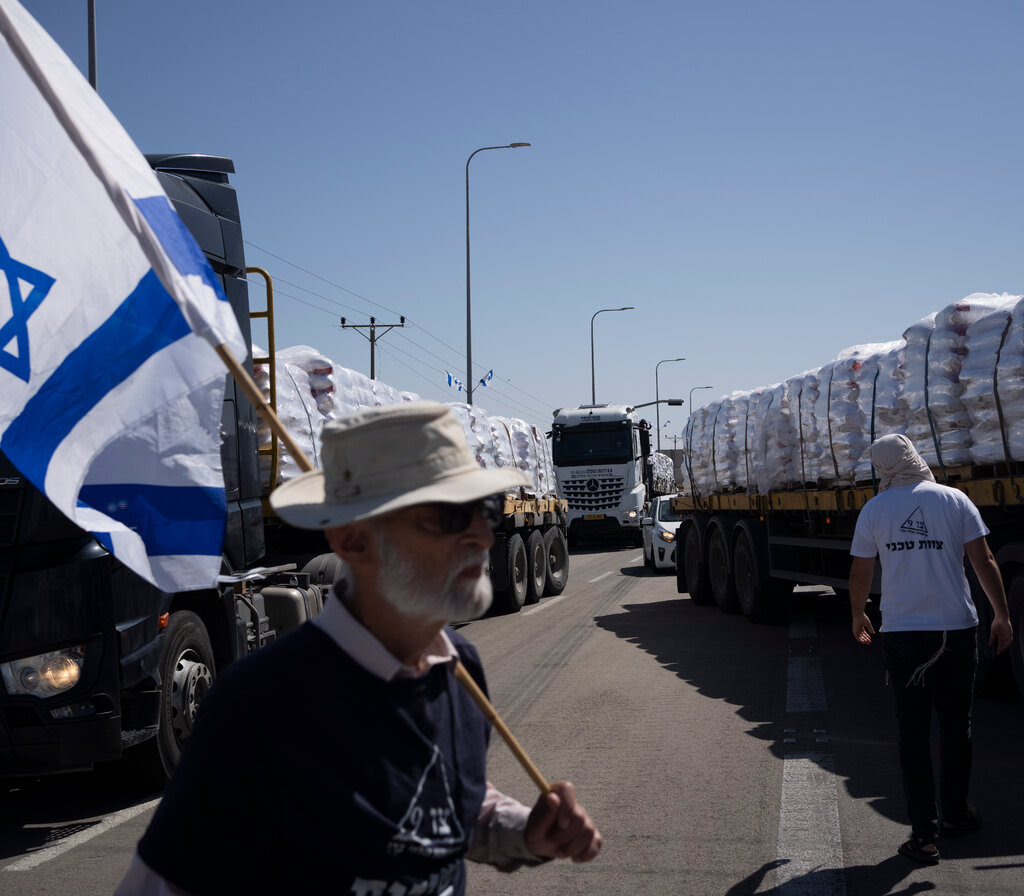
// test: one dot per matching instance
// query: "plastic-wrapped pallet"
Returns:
(726, 453)
(890, 413)
(940, 425)
(804, 393)
(296, 408)
(508, 442)
(992, 377)
(777, 440)
(352, 391)
(840, 415)
(312, 389)
(954, 384)
(663, 474)
(527, 448)
(477, 426)
(697, 435)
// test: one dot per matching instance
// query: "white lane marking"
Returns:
(603, 575)
(637, 559)
(543, 606)
(36, 859)
(810, 843)
(809, 835)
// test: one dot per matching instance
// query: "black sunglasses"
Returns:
(452, 519)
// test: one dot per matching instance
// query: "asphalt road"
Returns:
(717, 757)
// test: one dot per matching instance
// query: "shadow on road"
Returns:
(879, 879)
(38, 812)
(727, 658)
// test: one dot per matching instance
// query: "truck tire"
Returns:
(513, 596)
(187, 672)
(695, 571)
(723, 584)
(536, 567)
(557, 553)
(755, 593)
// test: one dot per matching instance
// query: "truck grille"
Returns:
(594, 494)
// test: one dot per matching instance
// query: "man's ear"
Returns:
(354, 543)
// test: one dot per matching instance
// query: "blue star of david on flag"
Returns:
(15, 330)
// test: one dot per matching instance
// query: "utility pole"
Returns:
(373, 337)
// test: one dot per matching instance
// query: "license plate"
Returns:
(593, 516)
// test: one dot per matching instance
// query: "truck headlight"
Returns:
(631, 515)
(45, 674)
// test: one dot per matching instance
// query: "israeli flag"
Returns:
(488, 378)
(453, 381)
(110, 389)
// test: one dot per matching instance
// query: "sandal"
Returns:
(916, 850)
(970, 823)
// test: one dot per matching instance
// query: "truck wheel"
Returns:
(512, 598)
(557, 553)
(695, 571)
(754, 591)
(723, 585)
(536, 567)
(187, 671)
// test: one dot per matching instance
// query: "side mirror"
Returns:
(647, 521)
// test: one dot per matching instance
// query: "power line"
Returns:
(455, 351)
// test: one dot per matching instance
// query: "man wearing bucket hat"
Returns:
(345, 755)
(920, 531)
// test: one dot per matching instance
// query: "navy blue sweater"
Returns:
(307, 774)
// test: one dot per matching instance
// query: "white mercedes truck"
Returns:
(601, 454)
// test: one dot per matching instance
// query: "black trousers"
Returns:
(933, 671)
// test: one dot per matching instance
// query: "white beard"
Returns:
(412, 592)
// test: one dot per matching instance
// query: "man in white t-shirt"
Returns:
(920, 531)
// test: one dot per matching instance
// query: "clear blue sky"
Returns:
(767, 183)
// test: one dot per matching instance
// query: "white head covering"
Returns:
(898, 463)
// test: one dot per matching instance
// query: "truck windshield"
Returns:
(570, 447)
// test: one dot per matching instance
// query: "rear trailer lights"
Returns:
(45, 674)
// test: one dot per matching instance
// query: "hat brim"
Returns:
(302, 501)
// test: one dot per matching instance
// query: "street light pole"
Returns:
(694, 389)
(593, 390)
(469, 307)
(657, 410)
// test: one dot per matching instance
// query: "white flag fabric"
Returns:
(110, 389)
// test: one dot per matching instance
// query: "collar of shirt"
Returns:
(360, 644)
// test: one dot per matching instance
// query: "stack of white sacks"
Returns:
(664, 473)
(312, 389)
(954, 384)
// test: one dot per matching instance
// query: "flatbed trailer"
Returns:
(746, 552)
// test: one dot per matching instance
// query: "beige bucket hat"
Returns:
(382, 459)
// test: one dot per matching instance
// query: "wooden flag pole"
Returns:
(263, 408)
(492, 716)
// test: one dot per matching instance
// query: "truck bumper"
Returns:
(604, 527)
(32, 745)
